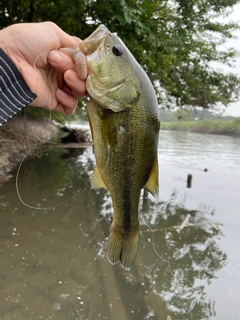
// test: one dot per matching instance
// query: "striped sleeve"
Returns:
(14, 93)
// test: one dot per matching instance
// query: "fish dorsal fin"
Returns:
(152, 183)
(97, 182)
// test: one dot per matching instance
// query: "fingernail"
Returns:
(54, 56)
(73, 77)
(62, 93)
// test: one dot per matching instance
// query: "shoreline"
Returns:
(206, 126)
(223, 133)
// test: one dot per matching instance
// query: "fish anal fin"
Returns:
(152, 183)
(97, 181)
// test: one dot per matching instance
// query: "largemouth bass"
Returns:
(124, 120)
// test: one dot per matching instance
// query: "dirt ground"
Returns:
(17, 137)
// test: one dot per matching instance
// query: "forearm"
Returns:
(14, 93)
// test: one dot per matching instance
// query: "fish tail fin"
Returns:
(123, 246)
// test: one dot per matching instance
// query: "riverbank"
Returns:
(231, 127)
(17, 137)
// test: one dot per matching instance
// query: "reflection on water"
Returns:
(187, 260)
(53, 263)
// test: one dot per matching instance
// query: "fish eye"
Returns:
(117, 50)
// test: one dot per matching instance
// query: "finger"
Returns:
(77, 85)
(66, 40)
(69, 41)
(60, 61)
(67, 103)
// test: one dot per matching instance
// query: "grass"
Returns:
(229, 127)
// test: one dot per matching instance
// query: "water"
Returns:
(53, 263)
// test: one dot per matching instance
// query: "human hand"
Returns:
(47, 72)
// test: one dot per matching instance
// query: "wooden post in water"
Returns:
(145, 194)
(189, 180)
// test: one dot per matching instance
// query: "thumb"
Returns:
(60, 61)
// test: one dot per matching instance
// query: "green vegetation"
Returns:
(190, 114)
(216, 126)
(175, 41)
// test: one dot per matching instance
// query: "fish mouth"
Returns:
(93, 47)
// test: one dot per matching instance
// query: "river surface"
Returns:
(53, 248)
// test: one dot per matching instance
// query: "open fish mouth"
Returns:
(93, 47)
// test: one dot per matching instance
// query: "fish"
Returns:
(124, 120)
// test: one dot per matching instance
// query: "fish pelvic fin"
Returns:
(152, 183)
(97, 181)
(123, 246)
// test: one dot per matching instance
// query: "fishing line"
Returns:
(17, 179)
(42, 54)
(167, 261)
(25, 156)
(154, 247)
(231, 271)
(27, 153)
(31, 148)
(35, 61)
(169, 264)
(60, 203)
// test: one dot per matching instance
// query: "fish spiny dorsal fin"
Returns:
(97, 182)
(152, 183)
(123, 246)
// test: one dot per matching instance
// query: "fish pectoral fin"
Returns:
(123, 246)
(152, 183)
(97, 182)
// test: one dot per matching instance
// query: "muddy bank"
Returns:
(17, 137)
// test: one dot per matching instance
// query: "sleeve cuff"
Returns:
(14, 93)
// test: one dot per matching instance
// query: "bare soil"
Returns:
(17, 137)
